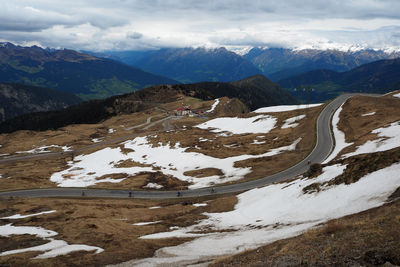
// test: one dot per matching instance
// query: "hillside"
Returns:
(376, 77)
(70, 71)
(17, 99)
(254, 92)
(190, 65)
(281, 63)
(346, 206)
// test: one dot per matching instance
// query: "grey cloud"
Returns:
(107, 23)
(134, 35)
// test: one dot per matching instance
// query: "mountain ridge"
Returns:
(68, 70)
(17, 99)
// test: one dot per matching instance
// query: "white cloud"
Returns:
(133, 24)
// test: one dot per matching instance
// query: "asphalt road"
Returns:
(320, 152)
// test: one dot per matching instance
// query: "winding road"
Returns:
(322, 149)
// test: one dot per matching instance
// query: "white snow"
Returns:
(86, 170)
(111, 130)
(388, 138)
(292, 122)
(52, 249)
(231, 145)
(19, 216)
(256, 124)
(256, 142)
(274, 212)
(145, 223)
(340, 139)
(44, 149)
(96, 140)
(155, 207)
(368, 114)
(8, 230)
(200, 204)
(214, 105)
(397, 95)
(285, 108)
(153, 185)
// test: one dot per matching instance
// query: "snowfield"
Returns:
(285, 108)
(388, 138)
(257, 124)
(274, 212)
(93, 168)
(340, 139)
(51, 249)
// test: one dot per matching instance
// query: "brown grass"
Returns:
(103, 223)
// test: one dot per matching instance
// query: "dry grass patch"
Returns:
(204, 172)
(103, 223)
(30, 174)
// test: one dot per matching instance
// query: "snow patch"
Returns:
(153, 185)
(389, 137)
(397, 95)
(155, 207)
(110, 131)
(214, 105)
(256, 142)
(285, 108)
(368, 114)
(96, 140)
(340, 139)
(256, 124)
(292, 122)
(19, 216)
(44, 149)
(145, 223)
(200, 204)
(52, 249)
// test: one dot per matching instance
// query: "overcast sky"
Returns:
(146, 24)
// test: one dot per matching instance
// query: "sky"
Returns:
(100, 25)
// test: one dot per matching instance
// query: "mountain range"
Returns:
(189, 65)
(376, 77)
(280, 63)
(67, 70)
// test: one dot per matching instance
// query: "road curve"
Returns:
(321, 151)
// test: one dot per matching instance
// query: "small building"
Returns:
(184, 111)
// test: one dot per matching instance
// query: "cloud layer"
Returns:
(146, 24)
